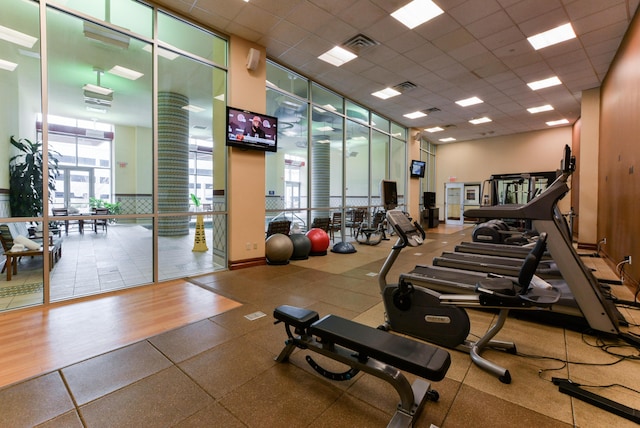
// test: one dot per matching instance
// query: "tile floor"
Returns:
(100, 262)
(221, 371)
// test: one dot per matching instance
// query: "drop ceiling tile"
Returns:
(472, 11)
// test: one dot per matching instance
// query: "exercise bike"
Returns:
(441, 319)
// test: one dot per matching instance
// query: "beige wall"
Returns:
(476, 161)
(588, 172)
(246, 174)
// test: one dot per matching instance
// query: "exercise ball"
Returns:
(278, 249)
(319, 241)
(301, 246)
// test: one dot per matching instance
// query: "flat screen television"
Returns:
(251, 131)
(417, 168)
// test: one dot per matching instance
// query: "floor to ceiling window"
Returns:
(340, 152)
(129, 124)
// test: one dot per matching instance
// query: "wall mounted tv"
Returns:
(251, 131)
(417, 168)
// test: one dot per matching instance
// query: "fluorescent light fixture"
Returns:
(386, 93)
(447, 140)
(480, 120)
(97, 89)
(417, 12)
(324, 128)
(161, 52)
(552, 37)
(545, 83)
(469, 101)
(17, 37)
(7, 65)
(540, 109)
(337, 56)
(127, 73)
(434, 129)
(105, 35)
(415, 115)
(557, 122)
(193, 108)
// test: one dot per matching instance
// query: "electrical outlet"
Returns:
(248, 246)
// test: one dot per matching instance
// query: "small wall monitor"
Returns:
(417, 168)
(251, 131)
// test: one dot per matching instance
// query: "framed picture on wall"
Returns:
(472, 194)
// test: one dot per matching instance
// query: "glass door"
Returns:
(73, 189)
(454, 203)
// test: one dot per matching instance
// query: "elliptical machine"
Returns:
(441, 319)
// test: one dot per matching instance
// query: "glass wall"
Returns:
(132, 186)
(332, 154)
(427, 154)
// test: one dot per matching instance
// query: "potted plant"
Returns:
(26, 170)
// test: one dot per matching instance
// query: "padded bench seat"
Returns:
(405, 354)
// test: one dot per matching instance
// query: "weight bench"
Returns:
(371, 350)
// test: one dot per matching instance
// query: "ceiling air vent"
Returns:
(431, 110)
(360, 42)
(405, 87)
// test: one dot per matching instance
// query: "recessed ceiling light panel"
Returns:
(337, 56)
(557, 122)
(552, 37)
(540, 109)
(469, 102)
(480, 120)
(386, 93)
(417, 12)
(415, 115)
(545, 83)
(125, 72)
(7, 65)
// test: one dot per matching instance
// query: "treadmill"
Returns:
(588, 297)
(507, 266)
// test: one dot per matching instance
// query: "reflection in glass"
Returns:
(398, 168)
(326, 161)
(288, 81)
(288, 198)
(187, 37)
(379, 164)
(357, 165)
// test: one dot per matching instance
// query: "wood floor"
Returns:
(39, 340)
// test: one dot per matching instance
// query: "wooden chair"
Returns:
(279, 226)
(336, 224)
(99, 221)
(321, 223)
(64, 212)
(357, 218)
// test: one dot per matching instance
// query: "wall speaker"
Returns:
(253, 59)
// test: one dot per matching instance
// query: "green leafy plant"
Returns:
(195, 200)
(114, 208)
(26, 170)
